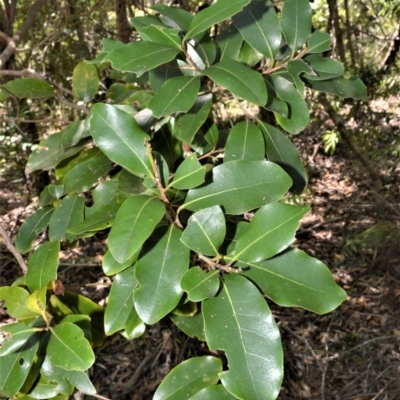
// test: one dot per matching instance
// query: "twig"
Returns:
(371, 340)
(216, 265)
(329, 221)
(13, 250)
(22, 73)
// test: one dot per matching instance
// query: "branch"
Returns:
(23, 73)
(13, 250)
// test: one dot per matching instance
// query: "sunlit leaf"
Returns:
(199, 284)
(189, 174)
(17, 334)
(85, 81)
(319, 42)
(14, 302)
(31, 88)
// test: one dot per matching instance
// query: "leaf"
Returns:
(29, 88)
(205, 231)
(174, 17)
(319, 42)
(189, 377)
(205, 48)
(139, 57)
(213, 392)
(249, 56)
(50, 194)
(282, 151)
(161, 74)
(108, 46)
(67, 214)
(74, 133)
(14, 301)
(134, 326)
(295, 68)
(296, 22)
(239, 186)
(176, 95)
(189, 174)
(344, 87)
(214, 14)
(119, 137)
(188, 124)
(163, 35)
(159, 270)
(323, 67)
(239, 322)
(134, 223)
(42, 265)
(298, 117)
(32, 226)
(239, 79)
(192, 326)
(17, 335)
(294, 279)
(245, 142)
(230, 42)
(199, 284)
(143, 22)
(120, 301)
(85, 81)
(259, 26)
(103, 195)
(81, 177)
(68, 348)
(111, 266)
(15, 367)
(271, 230)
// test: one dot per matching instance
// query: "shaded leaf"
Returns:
(163, 35)
(74, 133)
(17, 335)
(85, 81)
(323, 67)
(249, 56)
(50, 194)
(295, 68)
(174, 17)
(29, 88)
(111, 266)
(108, 46)
(230, 42)
(14, 302)
(134, 326)
(192, 326)
(189, 174)
(103, 195)
(199, 284)
(161, 74)
(319, 42)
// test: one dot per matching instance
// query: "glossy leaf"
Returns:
(74, 133)
(119, 137)
(134, 326)
(188, 124)
(161, 74)
(50, 194)
(37, 300)
(230, 42)
(85, 81)
(319, 42)
(294, 279)
(239, 80)
(159, 270)
(189, 377)
(295, 68)
(32, 226)
(296, 22)
(213, 392)
(176, 95)
(205, 231)
(249, 56)
(189, 174)
(281, 150)
(103, 195)
(193, 326)
(134, 223)
(255, 360)
(14, 301)
(214, 14)
(142, 22)
(29, 88)
(42, 265)
(17, 335)
(271, 230)
(239, 186)
(174, 17)
(111, 266)
(120, 301)
(199, 284)
(259, 26)
(245, 142)
(205, 48)
(163, 35)
(68, 348)
(324, 68)
(139, 57)
(68, 213)
(15, 367)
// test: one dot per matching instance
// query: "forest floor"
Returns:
(352, 353)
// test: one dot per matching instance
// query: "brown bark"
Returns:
(349, 37)
(334, 27)
(124, 29)
(392, 53)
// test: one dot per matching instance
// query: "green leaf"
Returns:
(189, 174)
(205, 231)
(111, 266)
(81, 177)
(134, 326)
(205, 49)
(344, 87)
(161, 74)
(245, 142)
(108, 46)
(139, 57)
(189, 377)
(295, 68)
(120, 301)
(199, 284)
(294, 279)
(249, 56)
(32, 226)
(17, 335)
(323, 67)
(159, 270)
(68, 213)
(230, 42)
(240, 80)
(192, 326)
(214, 14)
(213, 392)
(284, 90)
(14, 301)
(68, 348)
(176, 95)
(74, 133)
(319, 42)
(239, 186)
(134, 223)
(85, 81)
(188, 124)
(103, 195)
(50, 194)
(239, 322)
(174, 17)
(119, 137)
(15, 367)
(259, 26)
(163, 35)
(271, 230)
(296, 22)
(42, 265)
(143, 22)
(29, 88)
(282, 151)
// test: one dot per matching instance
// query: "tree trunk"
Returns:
(334, 28)
(124, 29)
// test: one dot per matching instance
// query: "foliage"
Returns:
(200, 231)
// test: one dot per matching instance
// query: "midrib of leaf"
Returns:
(274, 144)
(116, 315)
(207, 237)
(183, 177)
(65, 345)
(15, 362)
(162, 31)
(146, 56)
(245, 139)
(295, 36)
